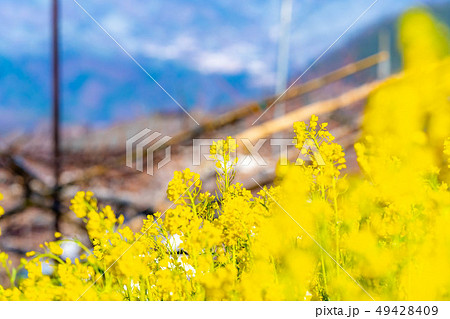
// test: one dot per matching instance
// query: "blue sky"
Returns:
(219, 36)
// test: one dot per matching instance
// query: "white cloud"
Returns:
(237, 58)
(178, 48)
(218, 62)
(116, 24)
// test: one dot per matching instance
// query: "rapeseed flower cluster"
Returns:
(317, 235)
(196, 250)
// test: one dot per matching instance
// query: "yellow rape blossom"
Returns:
(387, 226)
(276, 245)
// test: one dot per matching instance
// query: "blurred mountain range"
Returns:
(207, 54)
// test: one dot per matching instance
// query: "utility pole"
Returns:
(384, 44)
(56, 114)
(283, 55)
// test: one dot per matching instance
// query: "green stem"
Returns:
(194, 207)
(48, 255)
(324, 274)
(336, 220)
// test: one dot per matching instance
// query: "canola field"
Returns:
(317, 234)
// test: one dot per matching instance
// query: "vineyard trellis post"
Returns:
(56, 111)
